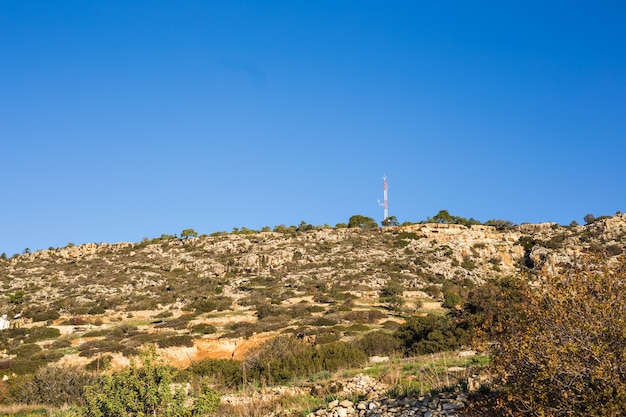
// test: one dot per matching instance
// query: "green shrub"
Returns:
(285, 357)
(339, 355)
(101, 363)
(56, 386)
(97, 333)
(390, 325)
(122, 331)
(365, 316)
(146, 390)
(324, 321)
(174, 341)
(26, 350)
(266, 310)
(488, 307)
(225, 372)
(358, 328)
(36, 334)
(48, 356)
(97, 309)
(206, 305)
(379, 343)
(392, 288)
(40, 313)
(145, 304)
(203, 328)
(21, 366)
(93, 347)
(451, 299)
(176, 323)
(325, 336)
(61, 344)
(430, 334)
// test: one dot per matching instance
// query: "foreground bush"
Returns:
(564, 353)
(146, 391)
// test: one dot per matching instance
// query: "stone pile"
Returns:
(440, 405)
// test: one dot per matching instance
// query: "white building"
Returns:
(4, 322)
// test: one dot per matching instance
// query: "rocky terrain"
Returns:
(218, 296)
(223, 279)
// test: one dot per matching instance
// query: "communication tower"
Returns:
(385, 203)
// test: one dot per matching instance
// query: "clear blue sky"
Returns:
(121, 120)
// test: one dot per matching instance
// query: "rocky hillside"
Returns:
(218, 295)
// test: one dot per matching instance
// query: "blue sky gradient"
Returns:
(121, 120)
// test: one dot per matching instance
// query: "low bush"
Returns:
(94, 347)
(451, 299)
(144, 304)
(61, 344)
(176, 323)
(429, 334)
(174, 341)
(36, 334)
(206, 305)
(357, 328)
(203, 328)
(379, 343)
(96, 309)
(122, 331)
(97, 333)
(55, 386)
(26, 351)
(21, 366)
(365, 316)
(285, 357)
(101, 363)
(324, 321)
(41, 313)
(224, 372)
(267, 310)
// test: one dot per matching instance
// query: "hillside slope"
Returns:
(219, 295)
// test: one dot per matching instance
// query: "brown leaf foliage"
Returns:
(564, 352)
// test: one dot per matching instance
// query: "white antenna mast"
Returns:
(385, 203)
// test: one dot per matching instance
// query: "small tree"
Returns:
(188, 233)
(500, 224)
(363, 222)
(390, 221)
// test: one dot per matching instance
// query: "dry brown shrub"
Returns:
(564, 353)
